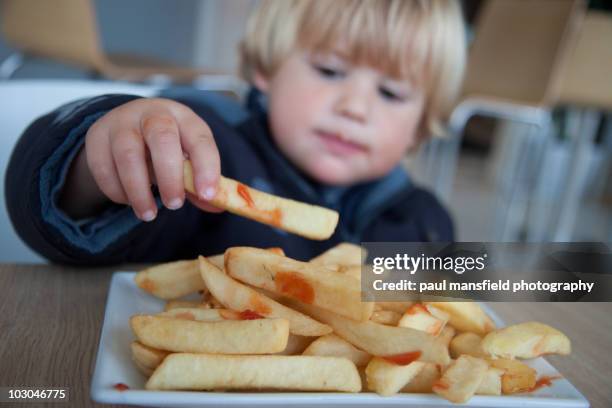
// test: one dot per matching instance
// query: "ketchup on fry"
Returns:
(293, 285)
(243, 192)
(544, 381)
(249, 315)
(404, 358)
(274, 217)
(417, 308)
(441, 385)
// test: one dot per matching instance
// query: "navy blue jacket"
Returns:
(388, 209)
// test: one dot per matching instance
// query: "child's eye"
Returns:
(329, 72)
(390, 95)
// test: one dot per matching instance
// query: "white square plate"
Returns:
(114, 365)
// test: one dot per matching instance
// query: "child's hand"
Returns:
(146, 141)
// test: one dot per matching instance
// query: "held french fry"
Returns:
(226, 337)
(526, 340)
(303, 219)
(303, 281)
(237, 296)
(218, 372)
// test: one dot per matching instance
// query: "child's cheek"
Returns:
(293, 113)
(390, 151)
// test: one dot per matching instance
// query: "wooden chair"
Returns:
(66, 31)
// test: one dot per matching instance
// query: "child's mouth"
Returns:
(338, 145)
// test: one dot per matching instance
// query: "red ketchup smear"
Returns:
(441, 385)
(417, 308)
(121, 387)
(229, 314)
(273, 217)
(276, 217)
(243, 192)
(404, 358)
(249, 315)
(148, 285)
(544, 381)
(293, 285)
(258, 305)
(185, 316)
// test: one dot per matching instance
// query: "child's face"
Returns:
(340, 123)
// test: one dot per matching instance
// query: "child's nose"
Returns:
(354, 103)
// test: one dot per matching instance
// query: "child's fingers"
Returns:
(101, 164)
(202, 205)
(161, 135)
(198, 142)
(129, 156)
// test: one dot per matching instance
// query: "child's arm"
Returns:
(81, 197)
(43, 174)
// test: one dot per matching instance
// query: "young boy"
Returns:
(342, 90)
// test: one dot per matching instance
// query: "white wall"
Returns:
(21, 102)
(218, 30)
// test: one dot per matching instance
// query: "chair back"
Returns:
(518, 47)
(586, 78)
(64, 30)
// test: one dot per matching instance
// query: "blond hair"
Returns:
(422, 40)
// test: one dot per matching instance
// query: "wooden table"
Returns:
(51, 317)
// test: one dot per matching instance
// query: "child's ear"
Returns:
(260, 81)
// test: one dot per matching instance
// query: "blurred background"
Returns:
(529, 151)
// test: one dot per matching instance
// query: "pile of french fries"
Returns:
(269, 322)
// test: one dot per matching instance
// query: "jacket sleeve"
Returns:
(36, 172)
